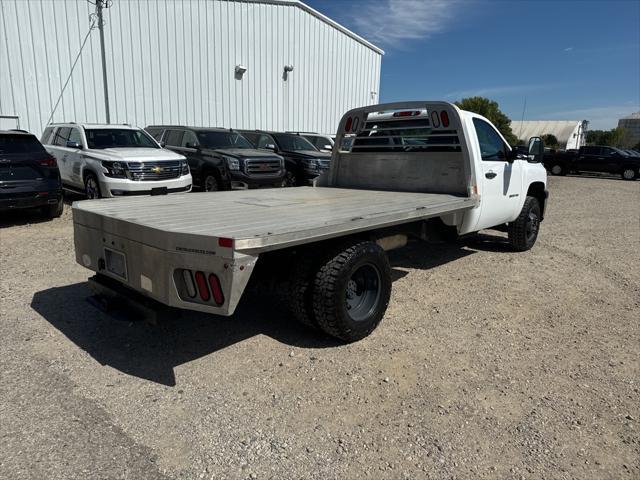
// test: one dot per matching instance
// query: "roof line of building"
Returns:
(324, 18)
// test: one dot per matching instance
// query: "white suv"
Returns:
(114, 161)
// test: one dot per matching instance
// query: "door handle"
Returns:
(491, 174)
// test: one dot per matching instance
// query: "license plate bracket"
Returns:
(159, 191)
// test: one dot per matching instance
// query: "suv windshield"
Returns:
(19, 144)
(293, 143)
(214, 139)
(118, 138)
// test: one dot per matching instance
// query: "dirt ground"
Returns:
(488, 364)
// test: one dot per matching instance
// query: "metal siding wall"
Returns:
(172, 61)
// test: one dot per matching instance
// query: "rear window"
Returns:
(19, 144)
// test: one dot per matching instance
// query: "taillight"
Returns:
(444, 116)
(347, 125)
(225, 242)
(48, 162)
(407, 113)
(203, 289)
(216, 289)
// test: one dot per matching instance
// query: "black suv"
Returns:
(304, 162)
(29, 176)
(221, 159)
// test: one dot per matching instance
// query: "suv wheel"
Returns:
(211, 183)
(557, 169)
(629, 173)
(290, 180)
(92, 187)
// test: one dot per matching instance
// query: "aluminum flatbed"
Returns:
(263, 220)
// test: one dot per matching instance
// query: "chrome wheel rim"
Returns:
(92, 189)
(210, 184)
(363, 292)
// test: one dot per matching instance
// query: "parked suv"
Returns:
(221, 159)
(303, 161)
(114, 161)
(29, 176)
(324, 143)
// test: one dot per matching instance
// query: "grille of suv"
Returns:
(262, 166)
(151, 171)
(324, 163)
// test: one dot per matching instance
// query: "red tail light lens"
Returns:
(48, 162)
(444, 117)
(347, 126)
(225, 242)
(203, 289)
(407, 113)
(216, 289)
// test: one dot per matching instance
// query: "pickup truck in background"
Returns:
(221, 159)
(304, 162)
(594, 158)
(114, 161)
(415, 171)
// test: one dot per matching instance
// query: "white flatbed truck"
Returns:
(411, 170)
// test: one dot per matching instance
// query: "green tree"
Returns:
(490, 109)
(550, 140)
(612, 138)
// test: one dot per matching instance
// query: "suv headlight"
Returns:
(115, 169)
(185, 167)
(232, 163)
(310, 163)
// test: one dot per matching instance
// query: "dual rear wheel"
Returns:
(344, 293)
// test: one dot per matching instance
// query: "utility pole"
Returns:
(100, 4)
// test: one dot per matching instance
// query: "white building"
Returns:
(571, 134)
(182, 62)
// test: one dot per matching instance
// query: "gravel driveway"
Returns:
(488, 364)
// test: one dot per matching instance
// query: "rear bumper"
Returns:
(155, 273)
(34, 200)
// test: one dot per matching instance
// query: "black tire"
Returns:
(339, 309)
(92, 186)
(211, 183)
(299, 290)
(290, 179)
(558, 169)
(55, 210)
(629, 173)
(523, 231)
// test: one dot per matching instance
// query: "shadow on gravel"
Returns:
(152, 351)
(22, 216)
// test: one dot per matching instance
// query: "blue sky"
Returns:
(572, 60)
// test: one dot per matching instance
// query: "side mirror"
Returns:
(192, 145)
(536, 149)
(270, 146)
(163, 144)
(327, 147)
(74, 145)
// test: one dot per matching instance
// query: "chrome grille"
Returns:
(324, 164)
(262, 166)
(154, 171)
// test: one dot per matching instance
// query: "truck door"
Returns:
(74, 158)
(590, 159)
(501, 180)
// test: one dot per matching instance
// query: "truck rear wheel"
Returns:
(523, 231)
(629, 173)
(557, 169)
(351, 291)
(300, 291)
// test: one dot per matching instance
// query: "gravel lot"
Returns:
(488, 364)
